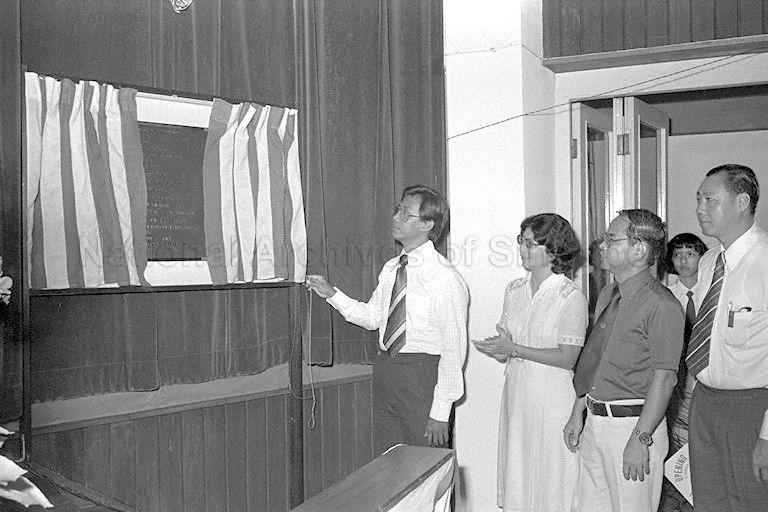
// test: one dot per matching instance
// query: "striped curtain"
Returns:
(254, 211)
(86, 193)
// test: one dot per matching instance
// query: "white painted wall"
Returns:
(496, 176)
(691, 156)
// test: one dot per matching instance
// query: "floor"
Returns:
(62, 501)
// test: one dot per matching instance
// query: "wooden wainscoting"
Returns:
(219, 456)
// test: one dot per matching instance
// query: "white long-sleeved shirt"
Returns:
(435, 319)
(738, 355)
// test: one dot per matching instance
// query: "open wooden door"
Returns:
(641, 154)
(594, 195)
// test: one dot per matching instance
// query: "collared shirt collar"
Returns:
(420, 253)
(741, 246)
(631, 286)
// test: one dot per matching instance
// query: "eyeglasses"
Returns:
(527, 242)
(403, 214)
(609, 241)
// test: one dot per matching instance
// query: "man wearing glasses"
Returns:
(420, 309)
(626, 373)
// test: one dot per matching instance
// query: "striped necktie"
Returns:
(698, 346)
(394, 335)
(690, 317)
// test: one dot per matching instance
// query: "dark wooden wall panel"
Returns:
(256, 449)
(236, 456)
(193, 460)
(70, 453)
(147, 464)
(570, 25)
(277, 453)
(578, 27)
(363, 423)
(657, 22)
(726, 18)
(347, 417)
(634, 24)
(96, 446)
(750, 17)
(702, 20)
(679, 21)
(170, 462)
(592, 26)
(221, 457)
(613, 26)
(551, 28)
(313, 450)
(329, 415)
(765, 16)
(215, 455)
(122, 465)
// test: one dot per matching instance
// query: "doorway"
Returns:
(652, 151)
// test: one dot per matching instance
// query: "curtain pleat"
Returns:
(254, 214)
(87, 196)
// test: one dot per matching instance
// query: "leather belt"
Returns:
(613, 410)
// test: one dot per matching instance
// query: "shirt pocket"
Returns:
(746, 326)
(420, 319)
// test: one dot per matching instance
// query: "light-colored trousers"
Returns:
(602, 487)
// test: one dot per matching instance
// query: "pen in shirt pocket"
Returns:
(732, 313)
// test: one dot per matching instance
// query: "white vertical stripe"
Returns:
(298, 228)
(93, 108)
(34, 140)
(51, 197)
(243, 195)
(119, 180)
(228, 227)
(265, 245)
(85, 207)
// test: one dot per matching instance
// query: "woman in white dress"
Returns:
(541, 333)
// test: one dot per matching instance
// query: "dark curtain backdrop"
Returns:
(236, 49)
(92, 344)
(10, 210)
(371, 100)
(367, 76)
(233, 49)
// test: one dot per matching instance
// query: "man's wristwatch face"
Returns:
(644, 437)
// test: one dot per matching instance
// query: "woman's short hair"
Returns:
(682, 241)
(557, 236)
(433, 207)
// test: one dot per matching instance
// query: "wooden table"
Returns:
(382, 483)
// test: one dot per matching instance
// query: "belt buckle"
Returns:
(599, 408)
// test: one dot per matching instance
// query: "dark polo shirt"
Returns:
(647, 336)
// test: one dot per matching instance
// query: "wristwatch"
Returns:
(643, 437)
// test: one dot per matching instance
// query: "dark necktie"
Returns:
(394, 334)
(590, 357)
(698, 346)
